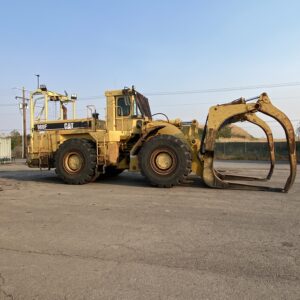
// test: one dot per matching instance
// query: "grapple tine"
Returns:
(253, 118)
(265, 106)
(225, 176)
(211, 179)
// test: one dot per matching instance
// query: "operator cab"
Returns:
(132, 103)
(124, 108)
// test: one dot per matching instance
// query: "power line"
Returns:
(153, 105)
(186, 92)
(202, 103)
(212, 90)
(211, 102)
(230, 89)
(204, 91)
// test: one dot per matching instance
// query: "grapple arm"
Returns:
(254, 119)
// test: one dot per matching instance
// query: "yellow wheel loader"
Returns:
(164, 151)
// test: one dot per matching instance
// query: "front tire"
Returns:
(165, 161)
(76, 161)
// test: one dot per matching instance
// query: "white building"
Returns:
(5, 149)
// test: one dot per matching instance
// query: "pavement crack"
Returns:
(62, 254)
(2, 291)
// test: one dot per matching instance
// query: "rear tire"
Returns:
(76, 161)
(165, 161)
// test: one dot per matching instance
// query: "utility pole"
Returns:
(24, 107)
(38, 80)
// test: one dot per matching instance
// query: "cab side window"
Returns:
(123, 106)
(136, 111)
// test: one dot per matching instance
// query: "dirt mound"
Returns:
(239, 132)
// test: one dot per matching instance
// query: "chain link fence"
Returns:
(252, 151)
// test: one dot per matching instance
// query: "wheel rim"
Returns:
(73, 162)
(163, 161)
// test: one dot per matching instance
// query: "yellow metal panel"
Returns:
(134, 164)
(114, 136)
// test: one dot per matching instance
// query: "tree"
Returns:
(16, 139)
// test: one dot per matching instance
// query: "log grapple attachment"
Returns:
(244, 110)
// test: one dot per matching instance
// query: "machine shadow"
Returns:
(124, 179)
(132, 179)
(31, 175)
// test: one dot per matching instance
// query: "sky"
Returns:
(87, 47)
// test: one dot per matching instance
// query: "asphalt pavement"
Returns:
(123, 239)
